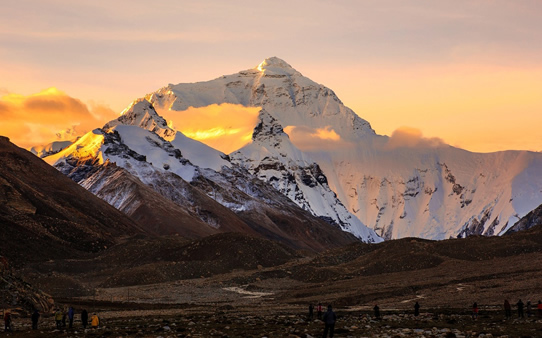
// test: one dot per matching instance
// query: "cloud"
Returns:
(407, 137)
(47, 116)
(314, 139)
(5, 110)
(226, 127)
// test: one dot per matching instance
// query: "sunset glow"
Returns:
(327, 134)
(476, 107)
(216, 132)
(226, 127)
(468, 74)
(47, 116)
(309, 139)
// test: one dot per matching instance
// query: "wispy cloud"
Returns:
(313, 139)
(407, 137)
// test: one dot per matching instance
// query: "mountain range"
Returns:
(344, 174)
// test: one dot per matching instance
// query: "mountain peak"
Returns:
(274, 65)
(141, 113)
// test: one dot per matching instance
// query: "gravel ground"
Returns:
(234, 323)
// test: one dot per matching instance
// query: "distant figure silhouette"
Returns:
(319, 311)
(475, 311)
(71, 314)
(311, 311)
(520, 309)
(329, 321)
(7, 321)
(64, 316)
(84, 318)
(377, 312)
(529, 308)
(416, 309)
(539, 309)
(35, 319)
(507, 309)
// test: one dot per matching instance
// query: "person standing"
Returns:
(539, 308)
(319, 311)
(475, 311)
(329, 321)
(529, 308)
(7, 321)
(58, 319)
(35, 319)
(311, 311)
(416, 309)
(94, 321)
(520, 309)
(64, 317)
(84, 318)
(71, 313)
(507, 309)
(376, 310)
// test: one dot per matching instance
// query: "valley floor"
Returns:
(446, 278)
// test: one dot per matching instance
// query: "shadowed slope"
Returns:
(45, 215)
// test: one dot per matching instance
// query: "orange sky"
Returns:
(467, 72)
(477, 107)
(225, 127)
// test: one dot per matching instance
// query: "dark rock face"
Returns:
(20, 295)
(530, 220)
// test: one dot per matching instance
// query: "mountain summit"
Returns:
(276, 66)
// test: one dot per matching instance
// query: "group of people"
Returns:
(7, 320)
(475, 310)
(61, 318)
(329, 318)
(521, 307)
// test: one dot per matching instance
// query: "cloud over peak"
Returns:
(313, 139)
(408, 137)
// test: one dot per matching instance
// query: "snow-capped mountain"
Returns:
(273, 158)
(398, 189)
(215, 195)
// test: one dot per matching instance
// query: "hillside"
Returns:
(45, 215)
